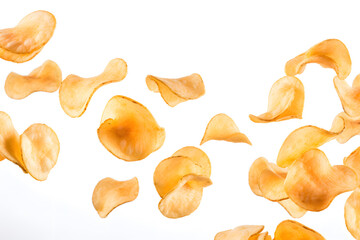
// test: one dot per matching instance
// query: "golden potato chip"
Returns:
(300, 141)
(349, 96)
(196, 155)
(40, 150)
(312, 183)
(289, 229)
(46, 78)
(286, 101)
(294, 210)
(348, 126)
(177, 90)
(353, 161)
(331, 53)
(352, 214)
(75, 92)
(271, 185)
(23, 42)
(109, 194)
(222, 127)
(260, 236)
(240, 233)
(128, 130)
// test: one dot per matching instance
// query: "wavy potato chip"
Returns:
(293, 230)
(349, 96)
(271, 185)
(294, 210)
(222, 127)
(46, 78)
(331, 53)
(260, 236)
(177, 90)
(352, 214)
(23, 42)
(197, 156)
(128, 130)
(109, 194)
(348, 126)
(312, 183)
(240, 233)
(353, 161)
(75, 92)
(286, 101)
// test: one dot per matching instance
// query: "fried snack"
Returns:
(177, 90)
(331, 53)
(353, 161)
(349, 96)
(286, 101)
(289, 229)
(75, 92)
(312, 183)
(348, 126)
(352, 214)
(40, 150)
(109, 194)
(293, 210)
(300, 141)
(240, 233)
(260, 236)
(25, 41)
(46, 78)
(128, 130)
(197, 156)
(222, 127)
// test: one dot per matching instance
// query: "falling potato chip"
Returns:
(312, 183)
(352, 214)
(196, 155)
(353, 161)
(177, 90)
(286, 101)
(271, 185)
(300, 141)
(128, 130)
(23, 42)
(40, 150)
(289, 229)
(109, 194)
(240, 233)
(348, 126)
(75, 92)
(349, 96)
(222, 127)
(331, 53)
(260, 236)
(46, 78)
(294, 210)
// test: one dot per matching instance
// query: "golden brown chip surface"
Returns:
(348, 126)
(353, 161)
(352, 214)
(294, 210)
(196, 155)
(349, 96)
(240, 233)
(293, 230)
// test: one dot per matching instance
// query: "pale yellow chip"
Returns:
(128, 129)
(75, 92)
(222, 127)
(286, 101)
(40, 150)
(292, 230)
(46, 78)
(302, 140)
(349, 96)
(109, 194)
(331, 53)
(23, 42)
(177, 90)
(312, 183)
(240, 233)
(352, 214)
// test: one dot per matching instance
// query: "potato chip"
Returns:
(289, 229)
(46, 78)
(312, 183)
(352, 214)
(109, 194)
(349, 96)
(260, 236)
(177, 90)
(23, 42)
(348, 126)
(240, 233)
(76, 92)
(331, 53)
(128, 130)
(353, 161)
(222, 127)
(294, 210)
(271, 185)
(286, 101)
(300, 141)
(196, 155)
(40, 150)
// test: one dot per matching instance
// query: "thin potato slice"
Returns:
(289, 229)
(196, 155)
(348, 126)
(261, 236)
(177, 90)
(331, 53)
(17, 57)
(40, 150)
(46, 78)
(353, 161)
(294, 210)
(109, 194)
(128, 130)
(271, 185)
(300, 141)
(352, 214)
(222, 127)
(286, 101)
(240, 233)
(349, 96)
(312, 183)
(75, 92)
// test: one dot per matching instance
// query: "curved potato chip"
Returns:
(109, 194)
(331, 53)
(271, 185)
(222, 127)
(312, 183)
(352, 214)
(240, 233)
(348, 126)
(46, 78)
(302, 140)
(294, 210)
(75, 92)
(196, 155)
(128, 130)
(260, 236)
(353, 161)
(177, 90)
(289, 229)
(23, 42)
(286, 101)
(349, 96)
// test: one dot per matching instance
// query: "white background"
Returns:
(240, 49)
